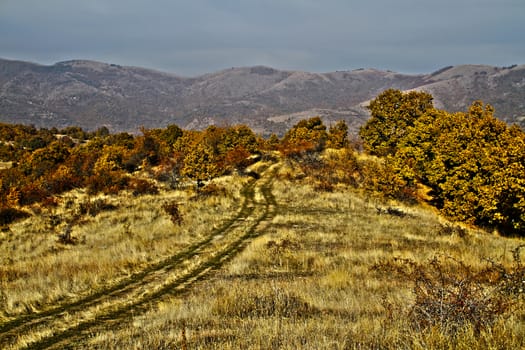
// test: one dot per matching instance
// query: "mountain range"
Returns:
(92, 94)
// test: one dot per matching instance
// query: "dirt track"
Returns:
(67, 324)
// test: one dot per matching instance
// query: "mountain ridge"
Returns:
(92, 94)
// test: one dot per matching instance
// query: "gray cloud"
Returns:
(198, 36)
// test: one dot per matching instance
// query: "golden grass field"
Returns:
(318, 270)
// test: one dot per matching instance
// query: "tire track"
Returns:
(21, 324)
(136, 294)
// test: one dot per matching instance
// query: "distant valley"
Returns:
(93, 94)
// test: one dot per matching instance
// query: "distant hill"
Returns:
(93, 94)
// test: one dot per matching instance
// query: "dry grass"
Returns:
(124, 235)
(317, 279)
(5, 165)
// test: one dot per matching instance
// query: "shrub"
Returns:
(32, 193)
(306, 135)
(211, 189)
(451, 296)
(9, 215)
(393, 113)
(172, 209)
(324, 186)
(94, 207)
(141, 186)
(472, 162)
(382, 180)
(452, 300)
(237, 158)
(108, 183)
(338, 135)
(169, 173)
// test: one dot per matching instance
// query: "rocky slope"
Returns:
(93, 94)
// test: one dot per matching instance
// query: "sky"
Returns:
(194, 37)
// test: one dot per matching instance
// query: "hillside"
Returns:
(266, 263)
(93, 94)
(218, 239)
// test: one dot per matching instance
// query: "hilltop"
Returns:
(92, 94)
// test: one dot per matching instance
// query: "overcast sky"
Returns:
(192, 37)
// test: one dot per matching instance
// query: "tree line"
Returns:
(46, 162)
(471, 165)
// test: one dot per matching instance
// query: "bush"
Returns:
(172, 209)
(383, 181)
(211, 189)
(393, 112)
(472, 162)
(141, 186)
(452, 300)
(451, 296)
(8, 215)
(94, 207)
(108, 183)
(32, 193)
(169, 173)
(324, 186)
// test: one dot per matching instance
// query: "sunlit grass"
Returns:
(38, 272)
(309, 282)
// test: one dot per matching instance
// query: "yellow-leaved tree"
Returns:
(473, 163)
(392, 113)
(308, 135)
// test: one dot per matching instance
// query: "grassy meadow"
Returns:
(325, 270)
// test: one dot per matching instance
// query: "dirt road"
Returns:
(67, 324)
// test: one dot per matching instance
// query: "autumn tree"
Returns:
(7, 152)
(472, 162)
(478, 171)
(101, 132)
(238, 145)
(120, 139)
(200, 163)
(338, 135)
(18, 140)
(108, 173)
(74, 132)
(82, 159)
(392, 113)
(240, 136)
(11, 180)
(306, 136)
(272, 143)
(164, 140)
(44, 160)
(171, 134)
(147, 149)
